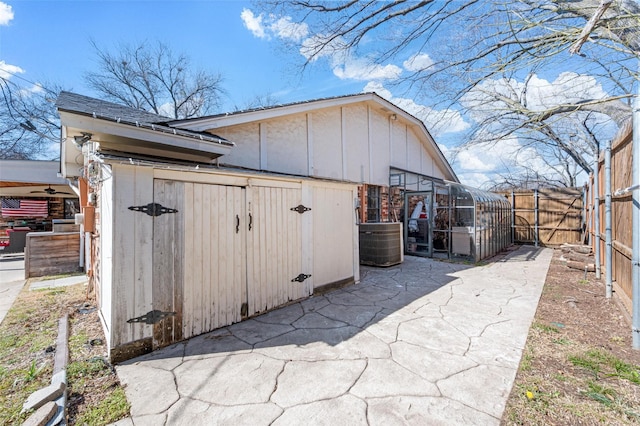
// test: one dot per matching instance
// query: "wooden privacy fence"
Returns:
(621, 213)
(51, 253)
(547, 217)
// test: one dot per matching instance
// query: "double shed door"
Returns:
(227, 253)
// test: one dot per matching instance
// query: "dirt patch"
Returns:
(578, 366)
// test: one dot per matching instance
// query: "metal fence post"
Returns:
(635, 258)
(607, 220)
(596, 213)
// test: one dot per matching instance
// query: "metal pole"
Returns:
(635, 258)
(596, 213)
(537, 230)
(513, 217)
(607, 220)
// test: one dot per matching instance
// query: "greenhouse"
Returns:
(450, 220)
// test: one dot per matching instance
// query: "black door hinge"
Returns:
(300, 278)
(152, 317)
(153, 209)
(300, 209)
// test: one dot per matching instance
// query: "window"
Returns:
(373, 203)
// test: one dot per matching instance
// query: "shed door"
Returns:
(275, 248)
(199, 258)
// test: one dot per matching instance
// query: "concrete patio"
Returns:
(424, 342)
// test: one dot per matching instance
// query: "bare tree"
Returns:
(470, 43)
(153, 78)
(29, 125)
(506, 109)
(265, 100)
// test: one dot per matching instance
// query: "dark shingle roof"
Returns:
(73, 102)
(109, 111)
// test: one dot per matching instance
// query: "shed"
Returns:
(197, 224)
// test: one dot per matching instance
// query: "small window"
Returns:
(373, 203)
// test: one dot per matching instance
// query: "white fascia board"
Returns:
(166, 140)
(212, 123)
(31, 171)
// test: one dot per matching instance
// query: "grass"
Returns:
(108, 410)
(602, 364)
(27, 348)
(545, 328)
(577, 367)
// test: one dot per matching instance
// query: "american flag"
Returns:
(24, 208)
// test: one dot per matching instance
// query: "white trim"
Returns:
(262, 135)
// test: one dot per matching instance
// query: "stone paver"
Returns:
(424, 342)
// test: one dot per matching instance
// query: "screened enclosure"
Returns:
(449, 220)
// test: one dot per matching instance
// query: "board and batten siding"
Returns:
(274, 248)
(105, 286)
(230, 250)
(356, 143)
(333, 219)
(198, 257)
(126, 241)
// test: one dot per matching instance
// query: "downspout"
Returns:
(596, 213)
(607, 220)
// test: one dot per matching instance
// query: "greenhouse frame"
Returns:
(449, 220)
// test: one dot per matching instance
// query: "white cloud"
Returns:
(253, 23)
(286, 29)
(35, 89)
(438, 122)
(273, 26)
(6, 13)
(313, 48)
(344, 65)
(569, 87)
(540, 94)
(418, 62)
(485, 164)
(7, 70)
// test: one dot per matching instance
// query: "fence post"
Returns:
(635, 258)
(596, 213)
(585, 218)
(513, 217)
(607, 220)
(535, 213)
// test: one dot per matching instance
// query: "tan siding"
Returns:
(246, 152)
(399, 145)
(168, 261)
(132, 239)
(274, 248)
(356, 139)
(333, 219)
(327, 144)
(380, 150)
(286, 140)
(415, 151)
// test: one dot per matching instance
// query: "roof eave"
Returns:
(132, 136)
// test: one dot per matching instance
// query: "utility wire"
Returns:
(18, 76)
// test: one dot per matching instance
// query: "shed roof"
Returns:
(109, 111)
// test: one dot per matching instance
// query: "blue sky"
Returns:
(50, 41)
